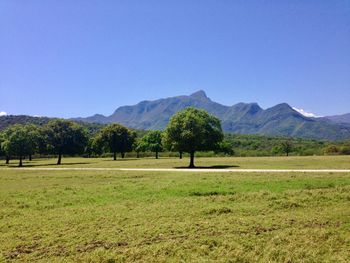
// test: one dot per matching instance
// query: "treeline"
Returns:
(258, 145)
(188, 131)
(62, 137)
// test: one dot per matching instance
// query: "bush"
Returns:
(332, 150)
(345, 150)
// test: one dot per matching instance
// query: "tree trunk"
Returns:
(123, 154)
(30, 157)
(191, 160)
(59, 158)
(156, 154)
(180, 154)
(7, 159)
(137, 155)
(20, 162)
(287, 153)
(114, 156)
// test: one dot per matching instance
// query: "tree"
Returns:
(33, 133)
(152, 141)
(89, 147)
(117, 139)
(97, 144)
(286, 147)
(139, 146)
(192, 130)
(345, 149)
(2, 139)
(64, 137)
(225, 147)
(17, 142)
(332, 150)
(5, 147)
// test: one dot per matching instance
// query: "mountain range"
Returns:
(243, 118)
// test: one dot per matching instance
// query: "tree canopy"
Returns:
(286, 147)
(192, 130)
(152, 141)
(64, 137)
(20, 140)
(116, 139)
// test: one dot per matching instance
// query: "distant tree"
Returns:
(192, 130)
(345, 149)
(332, 150)
(88, 150)
(17, 142)
(117, 139)
(152, 141)
(286, 147)
(139, 146)
(225, 147)
(64, 137)
(97, 144)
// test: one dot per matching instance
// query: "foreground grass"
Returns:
(84, 216)
(292, 162)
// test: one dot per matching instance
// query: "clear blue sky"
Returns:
(75, 58)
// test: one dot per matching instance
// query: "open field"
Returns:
(291, 162)
(123, 216)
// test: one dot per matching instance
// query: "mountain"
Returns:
(345, 118)
(242, 118)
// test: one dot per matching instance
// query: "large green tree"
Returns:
(64, 137)
(152, 141)
(116, 139)
(192, 130)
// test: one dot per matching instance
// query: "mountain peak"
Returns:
(242, 118)
(200, 94)
(283, 106)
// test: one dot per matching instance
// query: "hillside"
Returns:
(344, 118)
(8, 120)
(241, 118)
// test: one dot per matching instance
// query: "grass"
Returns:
(115, 216)
(292, 162)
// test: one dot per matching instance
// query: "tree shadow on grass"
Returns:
(52, 164)
(120, 159)
(209, 167)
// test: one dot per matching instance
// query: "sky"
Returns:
(63, 58)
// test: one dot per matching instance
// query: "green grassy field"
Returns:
(292, 162)
(115, 216)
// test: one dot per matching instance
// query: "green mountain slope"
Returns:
(242, 118)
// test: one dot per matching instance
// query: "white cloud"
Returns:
(2, 113)
(306, 114)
